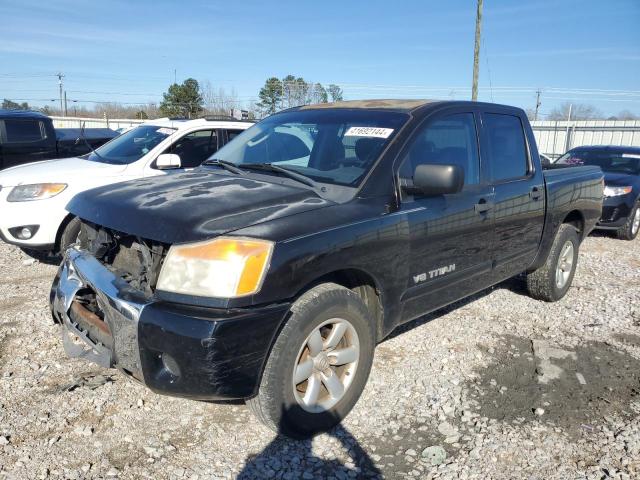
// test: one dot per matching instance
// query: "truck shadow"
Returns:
(285, 457)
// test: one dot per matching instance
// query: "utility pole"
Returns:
(538, 103)
(65, 103)
(476, 53)
(60, 77)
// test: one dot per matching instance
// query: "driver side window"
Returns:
(449, 140)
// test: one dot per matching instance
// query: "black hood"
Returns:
(190, 207)
(621, 179)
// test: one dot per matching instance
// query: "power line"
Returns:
(426, 88)
(486, 57)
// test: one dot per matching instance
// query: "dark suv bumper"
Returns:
(615, 212)
(174, 349)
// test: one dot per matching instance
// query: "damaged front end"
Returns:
(107, 274)
(134, 259)
(103, 297)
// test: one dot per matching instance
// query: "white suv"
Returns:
(33, 196)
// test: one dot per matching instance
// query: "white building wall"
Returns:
(555, 138)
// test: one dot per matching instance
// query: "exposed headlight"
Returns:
(616, 191)
(36, 191)
(224, 267)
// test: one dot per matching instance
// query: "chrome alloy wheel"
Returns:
(636, 222)
(565, 265)
(326, 365)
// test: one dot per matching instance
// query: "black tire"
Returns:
(542, 283)
(629, 230)
(275, 405)
(69, 234)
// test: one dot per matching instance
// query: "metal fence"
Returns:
(76, 122)
(555, 138)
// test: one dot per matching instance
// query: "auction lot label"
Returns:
(369, 132)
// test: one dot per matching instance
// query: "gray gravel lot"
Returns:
(498, 386)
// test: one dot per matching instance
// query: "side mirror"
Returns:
(434, 179)
(168, 161)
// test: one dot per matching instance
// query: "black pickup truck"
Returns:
(27, 136)
(270, 273)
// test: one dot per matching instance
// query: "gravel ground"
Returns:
(497, 386)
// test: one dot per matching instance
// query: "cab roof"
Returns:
(5, 113)
(401, 105)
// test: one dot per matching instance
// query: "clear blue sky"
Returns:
(585, 51)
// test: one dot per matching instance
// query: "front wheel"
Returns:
(319, 363)
(630, 229)
(552, 281)
(69, 234)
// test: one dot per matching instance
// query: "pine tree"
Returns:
(182, 100)
(270, 96)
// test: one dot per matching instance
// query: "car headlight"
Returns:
(224, 267)
(616, 191)
(36, 191)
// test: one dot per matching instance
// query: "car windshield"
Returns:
(130, 146)
(612, 162)
(335, 146)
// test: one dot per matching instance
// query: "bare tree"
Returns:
(219, 102)
(335, 92)
(579, 111)
(626, 115)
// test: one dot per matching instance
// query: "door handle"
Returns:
(482, 206)
(535, 193)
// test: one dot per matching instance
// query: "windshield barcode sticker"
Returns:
(165, 131)
(369, 132)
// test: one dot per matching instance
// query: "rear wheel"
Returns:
(319, 363)
(552, 281)
(630, 229)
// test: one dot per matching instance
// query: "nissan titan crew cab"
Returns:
(270, 273)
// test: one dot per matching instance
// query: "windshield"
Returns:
(328, 146)
(613, 162)
(131, 145)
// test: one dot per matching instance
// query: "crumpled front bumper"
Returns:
(174, 349)
(121, 306)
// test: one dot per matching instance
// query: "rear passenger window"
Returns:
(231, 134)
(450, 140)
(506, 148)
(19, 131)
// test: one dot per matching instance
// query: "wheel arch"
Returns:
(61, 228)
(360, 282)
(576, 219)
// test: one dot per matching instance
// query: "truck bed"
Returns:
(575, 193)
